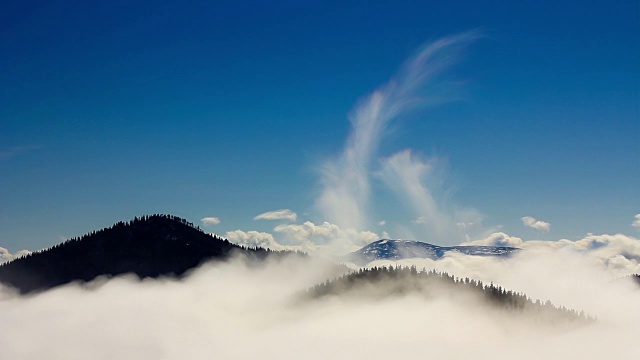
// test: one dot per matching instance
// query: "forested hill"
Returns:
(376, 283)
(149, 246)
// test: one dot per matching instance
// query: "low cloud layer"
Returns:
(282, 214)
(233, 311)
(617, 254)
(534, 223)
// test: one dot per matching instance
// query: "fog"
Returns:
(234, 311)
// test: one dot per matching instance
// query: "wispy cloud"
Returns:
(11, 152)
(539, 225)
(282, 214)
(210, 221)
(419, 220)
(345, 180)
(636, 222)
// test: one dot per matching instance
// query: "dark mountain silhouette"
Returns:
(388, 249)
(150, 246)
(381, 282)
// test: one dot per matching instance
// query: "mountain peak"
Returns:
(148, 246)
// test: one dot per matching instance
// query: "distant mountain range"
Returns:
(149, 246)
(387, 249)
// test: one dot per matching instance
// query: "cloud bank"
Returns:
(234, 311)
(326, 239)
(617, 254)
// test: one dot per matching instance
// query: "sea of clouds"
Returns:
(234, 311)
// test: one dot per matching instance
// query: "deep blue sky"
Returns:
(224, 109)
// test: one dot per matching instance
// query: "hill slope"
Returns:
(375, 283)
(150, 246)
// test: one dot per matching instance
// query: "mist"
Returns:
(233, 310)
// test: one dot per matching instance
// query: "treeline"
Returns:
(390, 281)
(148, 246)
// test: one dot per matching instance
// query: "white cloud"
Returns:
(255, 239)
(636, 222)
(221, 307)
(5, 255)
(619, 253)
(416, 182)
(382, 222)
(497, 239)
(325, 237)
(282, 214)
(536, 224)
(210, 221)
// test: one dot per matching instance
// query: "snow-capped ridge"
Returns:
(397, 249)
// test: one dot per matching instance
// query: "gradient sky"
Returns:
(226, 109)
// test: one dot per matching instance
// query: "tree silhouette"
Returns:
(148, 246)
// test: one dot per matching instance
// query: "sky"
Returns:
(229, 111)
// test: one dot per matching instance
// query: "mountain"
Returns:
(387, 249)
(150, 246)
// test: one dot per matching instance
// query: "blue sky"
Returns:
(227, 109)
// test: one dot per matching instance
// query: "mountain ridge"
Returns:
(398, 249)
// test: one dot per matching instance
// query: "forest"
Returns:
(148, 246)
(386, 281)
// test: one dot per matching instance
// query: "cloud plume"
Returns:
(345, 181)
